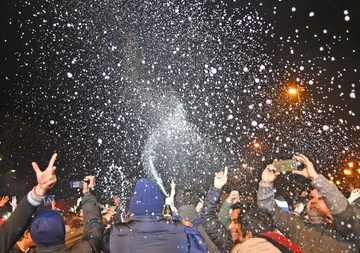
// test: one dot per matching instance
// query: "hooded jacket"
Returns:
(146, 233)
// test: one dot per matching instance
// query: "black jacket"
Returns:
(217, 232)
(14, 227)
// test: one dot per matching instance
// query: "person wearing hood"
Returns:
(146, 231)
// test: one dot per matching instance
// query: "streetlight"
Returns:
(257, 145)
(296, 91)
(349, 171)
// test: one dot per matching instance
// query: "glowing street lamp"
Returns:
(296, 91)
(349, 171)
(258, 146)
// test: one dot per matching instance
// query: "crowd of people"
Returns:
(322, 221)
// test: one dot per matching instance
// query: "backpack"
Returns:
(196, 241)
(284, 244)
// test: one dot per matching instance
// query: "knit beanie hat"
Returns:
(147, 198)
(48, 228)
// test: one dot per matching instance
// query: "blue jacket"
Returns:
(146, 233)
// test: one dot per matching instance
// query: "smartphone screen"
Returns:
(285, 165)
(75, 184)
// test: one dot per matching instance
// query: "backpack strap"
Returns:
(284, 244)
(196, 222)
(184, 222)
(187, 223)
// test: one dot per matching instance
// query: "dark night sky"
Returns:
(120, 86)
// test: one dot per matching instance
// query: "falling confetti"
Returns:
(179, 89)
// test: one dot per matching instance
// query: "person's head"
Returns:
(147, 199)
(247, 221)
(72, 220)
(186, 197)
(316, 208)
(48, 228)
(80, 215)
(26, 240)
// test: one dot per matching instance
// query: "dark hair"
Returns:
(252, 219)
(71, 220)
(186, 197)
(27, 229)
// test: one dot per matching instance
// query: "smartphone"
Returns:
(286, 165)
(79, 183)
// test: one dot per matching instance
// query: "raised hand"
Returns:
(13, 203)
(3, 200)
(354, 195)
(91, 184)
(233, 197)
(116, 200)
(269, 175)
(173, 185)
(220, 178)
(46, 179)
(309, 170)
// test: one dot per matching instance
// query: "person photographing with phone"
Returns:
(48, 227)
(330, 226)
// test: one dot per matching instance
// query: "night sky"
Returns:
(176, 90)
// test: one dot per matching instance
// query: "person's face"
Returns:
(316, 206)
(235, 227)
(29, 240)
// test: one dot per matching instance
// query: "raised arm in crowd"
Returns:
(331, 226)
(15, 226)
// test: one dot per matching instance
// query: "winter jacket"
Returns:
(216, 231)
(146, 233)
(189, 213)
(340, 236)
(14, 227)
(92, 234)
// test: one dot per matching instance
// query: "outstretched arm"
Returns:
(265, 193)
(93, 225)
(14, 227)
(216, 231)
